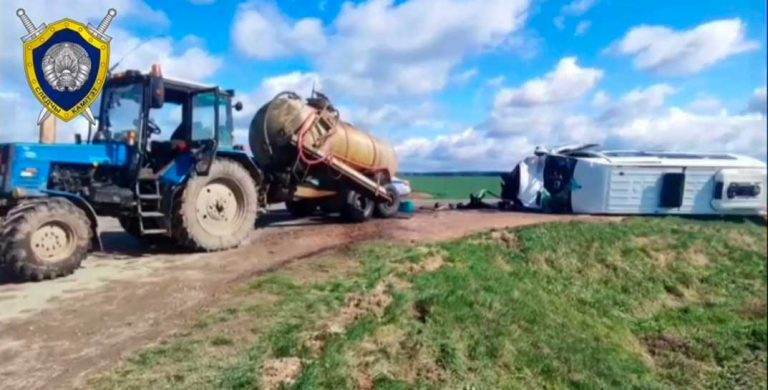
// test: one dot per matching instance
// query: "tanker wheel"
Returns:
(217, 211)
(388, 209)
(357, 207)
(301, 208)
(44, 239)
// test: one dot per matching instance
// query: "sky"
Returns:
(452, 84)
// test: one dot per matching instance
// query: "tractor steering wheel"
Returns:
(153, 127)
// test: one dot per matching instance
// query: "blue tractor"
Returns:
(161, 161)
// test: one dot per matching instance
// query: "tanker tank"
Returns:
(317, 160)
(279, 121)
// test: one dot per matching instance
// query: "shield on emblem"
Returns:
(66, 67)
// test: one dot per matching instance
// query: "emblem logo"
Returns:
(66, 64)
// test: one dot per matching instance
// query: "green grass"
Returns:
(649, 303)
(453, 187)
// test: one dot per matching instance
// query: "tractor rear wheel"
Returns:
(44, 239)
(217, 211)
(357, 207)
(386, 209)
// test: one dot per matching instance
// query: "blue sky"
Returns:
(458, 84)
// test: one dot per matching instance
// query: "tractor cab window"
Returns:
(172, 119)
(225, 122)
(166, 121)
(204, 116)
(123, 106)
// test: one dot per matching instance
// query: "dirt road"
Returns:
(55, 334)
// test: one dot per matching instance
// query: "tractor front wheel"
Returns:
(216, 211)
(44, 239)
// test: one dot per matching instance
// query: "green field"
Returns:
(645, 303)
(453, 187)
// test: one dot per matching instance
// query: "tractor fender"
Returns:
(247, 163)
(83, 204)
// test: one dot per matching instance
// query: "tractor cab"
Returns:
(165, 119)
(175, 128)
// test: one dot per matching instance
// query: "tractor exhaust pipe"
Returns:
(48, 130)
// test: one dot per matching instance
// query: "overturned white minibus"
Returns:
(584, 179)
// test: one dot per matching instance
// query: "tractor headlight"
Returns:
(29, 173)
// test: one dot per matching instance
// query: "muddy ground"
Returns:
(56, 334)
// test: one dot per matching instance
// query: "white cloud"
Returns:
(469, 149)
(678, 129)
(567, 82)
(705, 105)
(539, 124)
(261, 31)
(389, 115)
(495, 82)
(464, 77)
(639, 119)
(134, 11)
(663, 50)
(757, 103)
(578, 7)
(601, 99)
(526, 44)
(298, 82)
(9, 107)
(574, 8)
(383, 60)
(378, 118)
(193, 63)
(675, 130)
(387, 49)
(582, 27)
(301, 83)
(637, 102)
(19, 115)
(533, 113)
(379, 49)
(559, 22)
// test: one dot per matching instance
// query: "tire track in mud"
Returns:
(67, 329)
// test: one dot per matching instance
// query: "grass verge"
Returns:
(660, 302)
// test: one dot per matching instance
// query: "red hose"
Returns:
(306, 126)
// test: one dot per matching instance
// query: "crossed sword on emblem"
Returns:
(32, 33)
